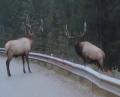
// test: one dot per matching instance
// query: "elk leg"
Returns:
(27, 60)
(7, 66)
(23, 63)
(84, 61)
(100, 67)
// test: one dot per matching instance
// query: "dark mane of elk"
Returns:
(87, 50)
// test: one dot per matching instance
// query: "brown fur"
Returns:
(20, 47)
(88, 51)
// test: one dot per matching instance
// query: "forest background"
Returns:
(49, 17)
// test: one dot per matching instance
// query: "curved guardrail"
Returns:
(105, 82)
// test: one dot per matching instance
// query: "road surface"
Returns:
(40, 83)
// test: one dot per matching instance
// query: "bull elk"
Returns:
(87, 50)
(19, 47)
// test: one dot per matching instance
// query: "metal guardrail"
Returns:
(105, 82)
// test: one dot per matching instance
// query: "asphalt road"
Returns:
(40, 83)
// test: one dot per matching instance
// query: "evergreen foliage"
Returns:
(49, 17)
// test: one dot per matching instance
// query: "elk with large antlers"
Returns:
(87, 50)
(20, 47)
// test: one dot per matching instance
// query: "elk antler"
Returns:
(28, 23)
(69, 36)
(41, 26)
(67, 32)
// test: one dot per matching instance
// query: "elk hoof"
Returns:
(24, 71)
(9, 75)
